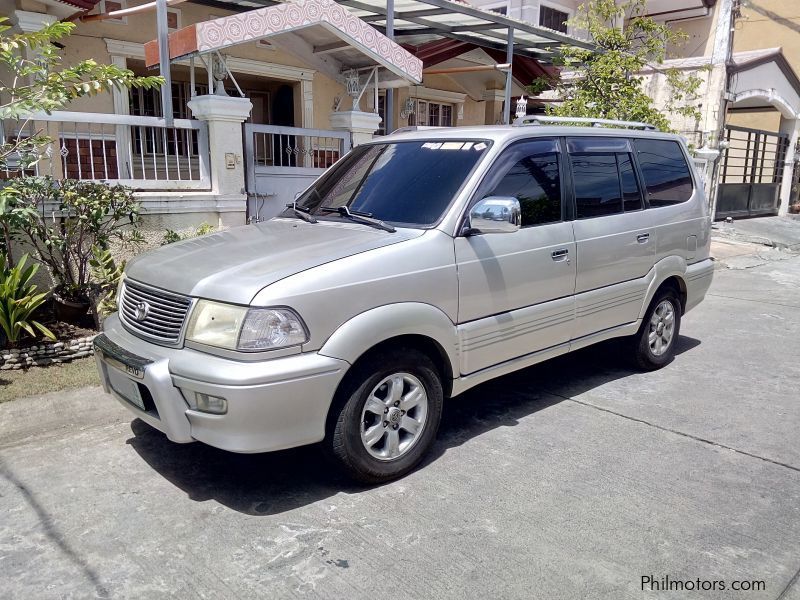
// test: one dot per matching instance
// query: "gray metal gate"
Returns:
(282, 161)
(751, 172)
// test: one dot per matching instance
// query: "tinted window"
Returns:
(596, 182)
(529, 172)
(631, 195)
(407, 183)
(666, 174)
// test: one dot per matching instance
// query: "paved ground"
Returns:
(780, 232)
(568, 480)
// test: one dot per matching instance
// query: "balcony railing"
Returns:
(140, 152)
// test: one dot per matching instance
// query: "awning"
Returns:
(323, 24)
(419, 21)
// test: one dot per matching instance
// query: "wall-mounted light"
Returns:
(408, 108)
(522, 107)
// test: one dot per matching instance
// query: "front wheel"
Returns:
(386, 416)
(655, 341)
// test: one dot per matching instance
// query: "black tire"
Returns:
(644, 356)
(343, 441)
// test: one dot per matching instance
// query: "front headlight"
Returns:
(241, 328)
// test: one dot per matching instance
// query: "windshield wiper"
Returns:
(303, 213)
(359, 217)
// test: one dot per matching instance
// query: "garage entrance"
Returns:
(751, 173)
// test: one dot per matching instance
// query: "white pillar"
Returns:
(122, 106)
(307, 91)
(28, 22)
(714, 103)
(361, 125)
(224, 116)
(791, 127)
(493, 109)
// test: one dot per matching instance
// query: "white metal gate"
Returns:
(282, 161)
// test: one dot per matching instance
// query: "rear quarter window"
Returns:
(666, 174)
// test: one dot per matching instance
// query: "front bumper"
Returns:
(272, 404)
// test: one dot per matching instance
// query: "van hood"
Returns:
(235, 264)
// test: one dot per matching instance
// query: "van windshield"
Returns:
(409, 184)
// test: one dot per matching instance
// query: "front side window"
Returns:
(529, 172)
(666, 174)
(405, 183)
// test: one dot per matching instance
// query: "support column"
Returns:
(509, 77)
(716, 102)
(50, 163)
(122, 106)
(306, 90)
(388, 126)
(224, 116)
(493, 111)
(361, 125)
(792, 128)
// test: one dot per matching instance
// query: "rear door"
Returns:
(615, 236)
(516, 289)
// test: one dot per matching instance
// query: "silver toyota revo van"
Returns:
(418, 266)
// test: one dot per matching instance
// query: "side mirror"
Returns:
(495, 214)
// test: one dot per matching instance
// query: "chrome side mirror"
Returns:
(495, 214)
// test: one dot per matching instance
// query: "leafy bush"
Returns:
(171, 236)
(107, 275)
(65, 220)
(19, 300)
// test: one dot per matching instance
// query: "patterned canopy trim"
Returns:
(291, 16)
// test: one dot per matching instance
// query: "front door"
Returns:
(614, 233)
(516, 289)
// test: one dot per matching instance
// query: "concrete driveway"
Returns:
(573, 479)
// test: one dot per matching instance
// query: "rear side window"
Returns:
(666, 174)
(631, 195)
(529, 172)
(597, 191)
(604, 179)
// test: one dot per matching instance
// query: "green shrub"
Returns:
(65, 220)
(19, 300)
(107, 275)
(171, 236)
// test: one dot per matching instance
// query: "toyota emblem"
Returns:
(142, 310)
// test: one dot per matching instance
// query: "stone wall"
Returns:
(46, 353)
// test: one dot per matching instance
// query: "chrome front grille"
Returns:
(153, 313)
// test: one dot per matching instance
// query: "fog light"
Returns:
(211, 404)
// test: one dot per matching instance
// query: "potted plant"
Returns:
(71, 219)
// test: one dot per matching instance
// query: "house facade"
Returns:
(264, 107)
(746, 56)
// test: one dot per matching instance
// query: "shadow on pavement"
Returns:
(276, 482)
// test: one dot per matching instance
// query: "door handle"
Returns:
(642, 238)
(559, 255)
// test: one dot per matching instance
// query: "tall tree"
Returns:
(34, 80)
(606, 82)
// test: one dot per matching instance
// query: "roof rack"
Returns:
(540, 119)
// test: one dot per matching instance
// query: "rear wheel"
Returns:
(387, 415)
(655, 341)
